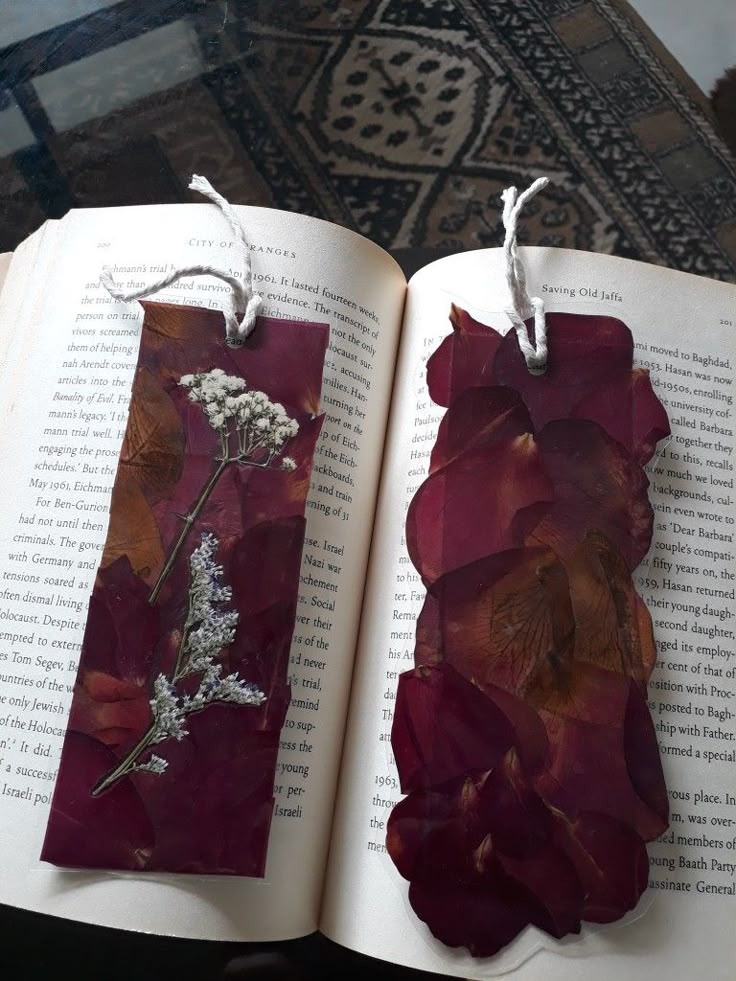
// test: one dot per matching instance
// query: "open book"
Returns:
(68, 351)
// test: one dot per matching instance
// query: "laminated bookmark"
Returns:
(169, 758)
(522, 736)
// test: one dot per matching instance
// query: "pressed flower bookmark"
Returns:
(522, 737)
(169, 758)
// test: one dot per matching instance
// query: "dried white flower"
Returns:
(209, 639)
(288, 463)
(156, 764)
(208, 630)
(262, 426)
(204, 585)
(232, 688)
(168, 713)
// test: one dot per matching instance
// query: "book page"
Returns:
(16, 298)
(685, 332)
(5, 259)
(66, 385)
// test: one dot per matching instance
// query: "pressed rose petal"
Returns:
(132, 532)
(264, 565)
(463, 360)
(627, 408)
(522, 830)
(588, 765)
(646, 637)
(151, 454)
(611, 861)
(221, 513)
(284, 358)
(216, 816)
(597, 486)
(276, 493)
(433, 821)
(444, 726)
(111, 710)
(512, 812)
(550, 876)
(479, 417)
(260, 653)
(584, 351)
(110, 831)
(611, 630)
(458, 885)
(642, 756)
(122, 629)
(504, 616)
(530, 736)
(465, 511)
(483, 916)
(429, 648)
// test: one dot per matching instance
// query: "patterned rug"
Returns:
(403, 119)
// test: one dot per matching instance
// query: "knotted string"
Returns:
(522, 305)
(242, 304)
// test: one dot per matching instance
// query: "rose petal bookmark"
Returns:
(522, 737)
(169, 759)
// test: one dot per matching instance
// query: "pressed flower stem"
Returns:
(178, 673)
(188, 522)
(125, 765)
(128, 763)
(195, 512)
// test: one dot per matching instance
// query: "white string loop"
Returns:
(242, 304)
(522, 305)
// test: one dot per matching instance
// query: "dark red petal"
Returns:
(627, 408)
(457, 885)
(588, 767)
(264, 565)
(260, 654)
(584, 351)
(479, 417)
(427, 830)
(214, 813)
(611, 861)
(112, 831)
(444, 727)
(597, 486)
(515, 816)
(463, 360)
(428, 648)
(530, 739)
(551, 877)
(447, 842)
(122, 628)
(483, 916)
(642, 756)
(465, 511)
